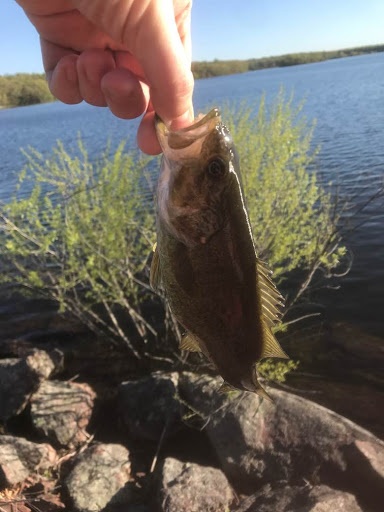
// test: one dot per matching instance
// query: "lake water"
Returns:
(345, 96)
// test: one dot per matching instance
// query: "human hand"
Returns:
(133, 56)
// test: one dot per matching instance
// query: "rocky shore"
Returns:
(84, 429)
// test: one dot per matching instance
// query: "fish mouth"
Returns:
(188, 136)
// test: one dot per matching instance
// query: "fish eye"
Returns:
(216, 167)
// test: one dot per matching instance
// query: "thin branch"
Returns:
(159, 445)
(119, 330)
(13, 227)
(301, 318)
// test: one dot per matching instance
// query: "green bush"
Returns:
(83, 236)
(294, 221)
(24, 89)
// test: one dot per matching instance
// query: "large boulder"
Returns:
(287, 498)
(98, 477)
(62, 410)
(20, 458)
(150, 405)
(291, 439)
(19, 378)
(187, 487)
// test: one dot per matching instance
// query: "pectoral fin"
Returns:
(226, 388)
(154, 274)
(190, 343)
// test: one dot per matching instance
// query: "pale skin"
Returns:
(132, 56)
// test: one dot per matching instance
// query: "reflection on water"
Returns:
(345, 96)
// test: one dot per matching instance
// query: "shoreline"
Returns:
(215, 68)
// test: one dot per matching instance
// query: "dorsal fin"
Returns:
(271, 300)
(271, 304)
(270, 289)
(271, 347)
(269, 316)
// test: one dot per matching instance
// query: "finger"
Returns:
(92, 66)
(149, 31)
(146, 135)
(60, 70)
(124, 93)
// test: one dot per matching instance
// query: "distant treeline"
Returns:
(23, 89)
(228, 67)
(28, 89)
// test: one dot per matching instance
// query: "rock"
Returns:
(149, 405)
(20, 315)
(97, 477)
(127, 508)
(19, 378)
(284, 498)
(62, 410)
(10, 507)
(187, 487)
(20, 458)
(291, 439)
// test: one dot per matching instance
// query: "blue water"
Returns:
(345, 96)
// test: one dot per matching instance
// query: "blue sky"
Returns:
(230, 29)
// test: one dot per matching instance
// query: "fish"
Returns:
(205, 261)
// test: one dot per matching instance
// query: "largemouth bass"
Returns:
(205, 258)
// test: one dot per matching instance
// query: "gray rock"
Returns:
(97, 477)
(20, 458)
(284, 498)
(187, 487)
(127, 508)
(19, 378)
(62, 410)
(291, 439)
(149, 405)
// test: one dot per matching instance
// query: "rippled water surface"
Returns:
(345, 96)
